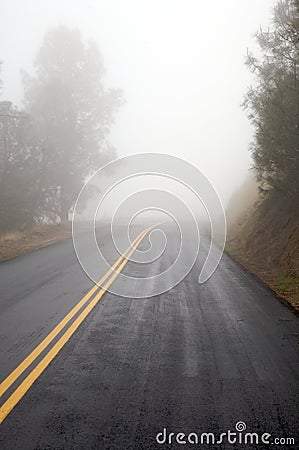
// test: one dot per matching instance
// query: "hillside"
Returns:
(264, 236)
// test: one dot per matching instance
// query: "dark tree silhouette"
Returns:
(273, 103)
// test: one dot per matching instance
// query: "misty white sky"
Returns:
(180, 64)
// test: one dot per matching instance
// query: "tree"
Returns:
(71, 113)
(273, 103)
(18, 166)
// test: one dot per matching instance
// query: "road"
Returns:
(195, 359)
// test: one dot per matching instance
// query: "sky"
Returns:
(180, 64)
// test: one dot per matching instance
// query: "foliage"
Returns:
(71, 113)
(60, 137)
(18, 165)
(273, 103)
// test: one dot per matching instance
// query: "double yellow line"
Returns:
(25, 385)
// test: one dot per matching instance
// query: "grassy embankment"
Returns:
(16, 243)
(263, 235)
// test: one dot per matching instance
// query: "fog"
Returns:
(179, 63)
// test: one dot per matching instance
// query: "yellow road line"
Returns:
(14, 375)
(21, 390)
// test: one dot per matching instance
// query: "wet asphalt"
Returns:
(195, 359)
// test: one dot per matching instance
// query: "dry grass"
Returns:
(16, 243)
(285, 286)
(266, 241)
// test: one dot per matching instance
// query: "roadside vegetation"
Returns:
(264, 230)
(15, 243)
(59, 136)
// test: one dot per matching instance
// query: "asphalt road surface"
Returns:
(196, 359)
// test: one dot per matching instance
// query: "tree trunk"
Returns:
(64, 206)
